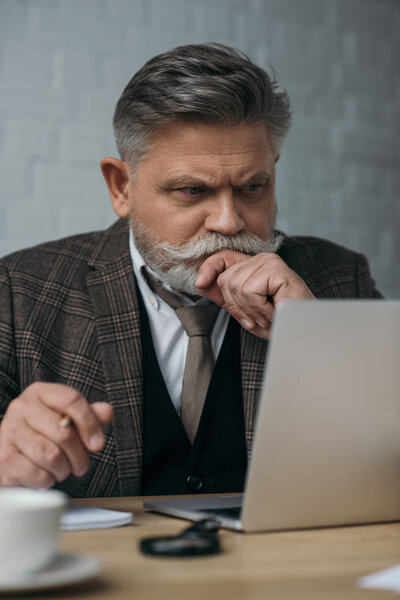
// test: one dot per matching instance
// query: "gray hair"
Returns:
(209, 83)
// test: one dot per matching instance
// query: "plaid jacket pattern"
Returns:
(69, 314)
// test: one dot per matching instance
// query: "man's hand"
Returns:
(35, 450)
(249, 287)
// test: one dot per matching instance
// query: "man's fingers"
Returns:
(252, 313)
(20, 471)
(249, 319)
(249, 287)
(216, 264)
(262, 332)
(66, 400)
(252, 305)
(241, 305)
(104, 412)
(46, 422)
(42, 452)
(257, 306)
(36, 449)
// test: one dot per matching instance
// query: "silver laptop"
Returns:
(327, 441)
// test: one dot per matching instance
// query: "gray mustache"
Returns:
(214, 242)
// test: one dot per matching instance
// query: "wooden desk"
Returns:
(323, 564)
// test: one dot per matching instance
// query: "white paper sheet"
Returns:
(387, 579)
(79, 516)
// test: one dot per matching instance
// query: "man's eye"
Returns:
(252, 187)
(193, 190)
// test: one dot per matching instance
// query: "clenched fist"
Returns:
(35, 449)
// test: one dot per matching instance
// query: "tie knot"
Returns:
(198, 320)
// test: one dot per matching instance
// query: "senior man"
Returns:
(156, 329)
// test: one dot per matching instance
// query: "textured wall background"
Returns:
(64, 63)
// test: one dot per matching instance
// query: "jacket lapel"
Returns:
(252, 354)
(111, 287)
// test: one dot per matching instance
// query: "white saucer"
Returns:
(66, 569)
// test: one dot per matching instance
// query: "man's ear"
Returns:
(277, 157)
(116, 174)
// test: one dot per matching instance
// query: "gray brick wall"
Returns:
(63, 64)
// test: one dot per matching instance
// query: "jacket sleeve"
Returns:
(9, 387)
(365, 282)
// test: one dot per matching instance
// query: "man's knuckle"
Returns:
(71, 397)
(40, 448)
(65, 435)
(14, 410)
(44, 479)
(62, 475)
(221, 280)
(52, 455)
(63, 472)
(34, 389)
(272, 260)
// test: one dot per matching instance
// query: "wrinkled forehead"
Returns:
(182, 147)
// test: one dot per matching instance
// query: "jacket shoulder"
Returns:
(70, 253)
(40, 258)
(329, 269)
(329, 253)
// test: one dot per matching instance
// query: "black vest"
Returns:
(217, 461)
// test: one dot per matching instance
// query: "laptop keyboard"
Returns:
(233, 512)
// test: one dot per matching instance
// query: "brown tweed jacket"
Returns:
(69, 314)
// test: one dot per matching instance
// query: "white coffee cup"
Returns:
(29, 528)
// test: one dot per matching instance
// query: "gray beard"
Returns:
(178, 265)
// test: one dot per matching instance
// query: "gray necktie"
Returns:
(198, 322)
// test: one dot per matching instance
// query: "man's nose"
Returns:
(223, 215)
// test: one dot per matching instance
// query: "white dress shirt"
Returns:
(169, 338)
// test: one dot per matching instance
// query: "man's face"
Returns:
(200, 178)
(199, 188)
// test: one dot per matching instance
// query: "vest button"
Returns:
(194, 483)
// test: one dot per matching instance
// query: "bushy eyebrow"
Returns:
(261, 177)
(185, 181)
(190, 181)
